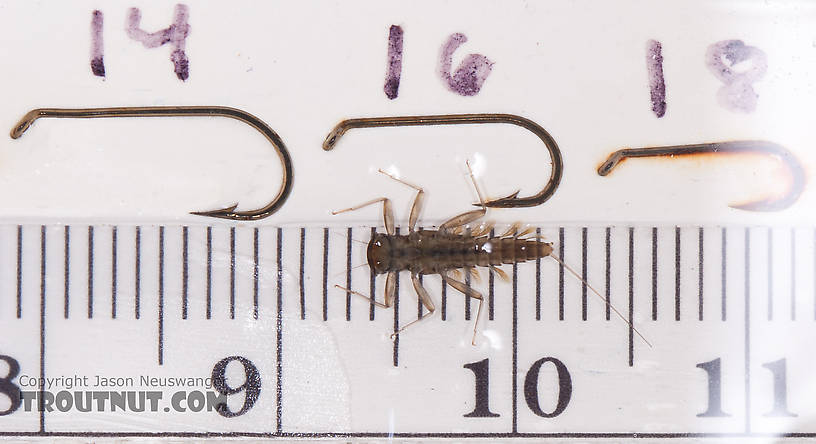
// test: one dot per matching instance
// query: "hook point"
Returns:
(501, 202)
(223, 213)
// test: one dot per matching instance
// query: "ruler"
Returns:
(249, 317)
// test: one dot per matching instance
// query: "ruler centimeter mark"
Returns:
(514, 338)
(279, 334)
(42, 326)
(420, 307)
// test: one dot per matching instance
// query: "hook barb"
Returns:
(795, 170)
(184, 111)
(510, 201)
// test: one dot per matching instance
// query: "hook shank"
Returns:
(795, 169)
(184, 111)
(467, 119)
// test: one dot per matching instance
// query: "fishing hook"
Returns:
(510, 201)
(184, 111)
(795, 170)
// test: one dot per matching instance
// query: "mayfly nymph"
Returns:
(454, 246)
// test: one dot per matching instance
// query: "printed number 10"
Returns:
(481, 375)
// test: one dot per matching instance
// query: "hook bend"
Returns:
(510, 201)
(184, 111)
(795, 170)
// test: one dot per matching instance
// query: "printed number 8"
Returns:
(7, 387)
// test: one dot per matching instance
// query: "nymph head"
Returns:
(379, 253)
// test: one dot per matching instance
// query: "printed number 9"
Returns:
(252, 385)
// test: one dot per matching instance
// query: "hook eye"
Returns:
(185, 111)
(795, 170)
(511, 201)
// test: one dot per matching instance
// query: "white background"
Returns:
(577, 68)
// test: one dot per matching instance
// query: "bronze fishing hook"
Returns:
(795, 169)
(184, 111)
(467, 119)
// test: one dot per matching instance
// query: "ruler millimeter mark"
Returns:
(631, 317)
(747, 348)
(137, 294)
(700, 268)
(301, 279)
(677, 261)
(256, 273)
(654, 273)
(114, 270)
(19, 271)
(161, 295)
(90, 270)
(232, 273)
(209, 274)
(185, 269)
(66, 270)
(723, 272)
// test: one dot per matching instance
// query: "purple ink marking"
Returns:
(97, 45)
(394, 70)
(471, 73)
(738, 92)
(175, 34)
(657, 84)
